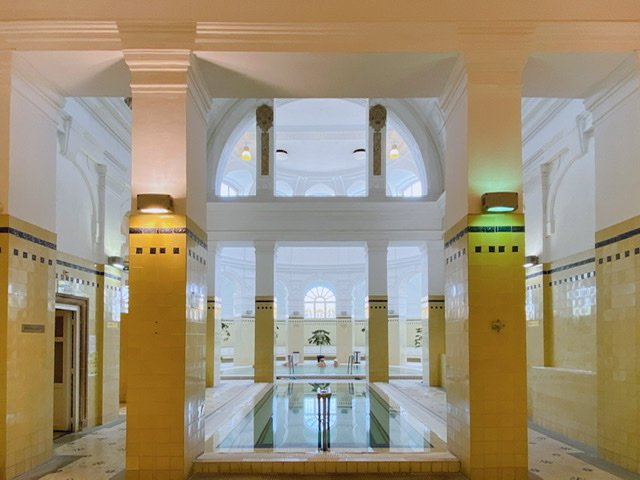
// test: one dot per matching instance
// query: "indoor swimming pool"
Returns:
(286, 419)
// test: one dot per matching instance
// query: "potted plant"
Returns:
(319, 338)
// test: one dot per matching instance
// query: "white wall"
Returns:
(616, 118)
(32, 186)
(97, 136)
(559, 210)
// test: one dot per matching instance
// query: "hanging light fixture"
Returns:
(281, 154)
(394, 152)
(359, 154)
(246, 154)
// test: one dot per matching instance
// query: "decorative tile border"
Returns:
(568, 266)
(484, 229)
(618, 238)
(92, 271)
(169, 230)
(28, 237)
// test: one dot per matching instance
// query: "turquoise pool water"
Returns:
(286, 419)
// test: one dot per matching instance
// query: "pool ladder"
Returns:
(350, 364)
(324, 411)
(291, 365)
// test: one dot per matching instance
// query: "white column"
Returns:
(377, 307)
(264, 312)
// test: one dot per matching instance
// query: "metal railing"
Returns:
(324, 412)
(291, 365)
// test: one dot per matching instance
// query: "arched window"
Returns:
(320, 302)
(405, 167)
(238, 162)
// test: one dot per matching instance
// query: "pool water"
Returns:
(286, 419)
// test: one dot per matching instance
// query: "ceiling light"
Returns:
(499, 202)
(154, 203)
(246, 154)
(117, 262)
(394, 152)
(359, 154)
(281, 154)
(530, 261)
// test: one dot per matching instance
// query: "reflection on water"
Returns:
(360, 420)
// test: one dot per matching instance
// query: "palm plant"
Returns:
(417, 339)
(319, 338)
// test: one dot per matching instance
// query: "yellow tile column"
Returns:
(265, 314)
(167, 257)
(484, 286)
(435, 338)
(27, 269)
(377, 310)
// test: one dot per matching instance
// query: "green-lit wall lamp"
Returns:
(499, 202)
(155, 203)
(117, 262)
(530, 261)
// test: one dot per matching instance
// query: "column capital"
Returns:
(377, 245)
(264, 245)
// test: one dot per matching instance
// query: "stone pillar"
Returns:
(167, 258)
(485, 323)
(27, 268)
(377, 309)
(265, 312)
(344, 337)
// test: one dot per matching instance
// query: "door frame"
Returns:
(80, 305)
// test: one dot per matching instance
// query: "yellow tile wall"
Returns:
(534, 312)
(166, 342)
(27, 260)
(572, 284)
(109, 323)
(618, 363)
(378, 349)
(124, 351)
(486, 369)
(564, 401)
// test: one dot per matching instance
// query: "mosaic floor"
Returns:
(99, 453)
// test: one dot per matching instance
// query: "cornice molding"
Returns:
(612, 92)
(540, 114)
(198, 89)
(60, 35)
(454, 89)
(114, 119)
(46, 97)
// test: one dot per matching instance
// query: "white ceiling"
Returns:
(314, 75)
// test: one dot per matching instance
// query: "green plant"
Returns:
(225, 331)
(417, 339)
(319, 338)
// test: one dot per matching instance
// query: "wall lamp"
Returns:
(531, 260)
(499, 202)
(117, 262)
(155, 203)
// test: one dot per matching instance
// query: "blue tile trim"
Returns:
(568, 266)
(484, 229)
(618, 238)
(62, 263)
(190, 233)
(27, 236)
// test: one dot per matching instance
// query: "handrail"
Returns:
(324, 411)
